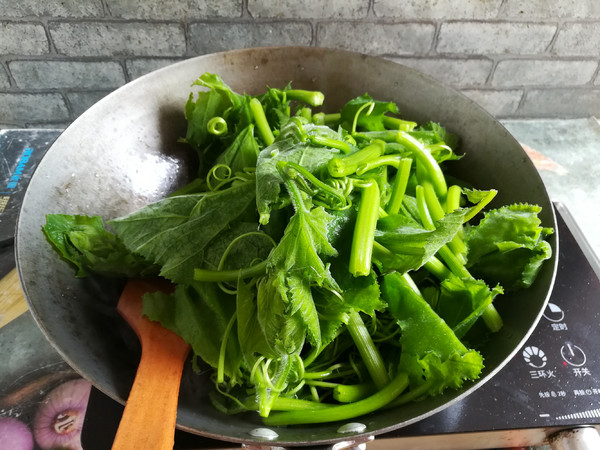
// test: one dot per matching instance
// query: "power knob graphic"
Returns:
(535, 357)
(573, 355)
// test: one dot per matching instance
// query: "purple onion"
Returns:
(14, 434)
(59, 419)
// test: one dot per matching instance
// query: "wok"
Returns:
(123, 153)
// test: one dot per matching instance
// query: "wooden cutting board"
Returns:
(12, 301)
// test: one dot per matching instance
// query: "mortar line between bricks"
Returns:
(245, 9)
(434, 42)
(105, 8)
(371, 9)
(313, 33)
(595, 76)
(186, 38)
(70, 109)
(490, 77)
(550, 45)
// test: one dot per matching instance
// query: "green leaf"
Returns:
(462, 301)
(508, 246)
(296, 265)
(431, 352)
(199, 313)
(291, 145)
(411, 244)
(242, 152)
(175, 232)
(252, 337)
(304, 240)
(433, 133)
(285, 333)
(372, 121)
(84, 242)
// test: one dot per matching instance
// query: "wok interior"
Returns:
(123, 153)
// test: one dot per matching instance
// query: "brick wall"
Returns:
(518, 58)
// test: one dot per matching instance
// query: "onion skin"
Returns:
(59, 418)
(14, 434)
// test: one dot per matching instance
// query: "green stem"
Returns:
(398, 124)
(423, 210)
(262, 125)
(399, 186)
(313, 98)
(326, 119)
(386, 136)
(361, 251)
(431, 167)
(368, 352)
(454, 264)
(305, 113)
(437, 268)
(453, 198)
(342, 412)
(342, 166)
(410, 283)
(411, 395)
(329, 191)
(482, 204)
(348, 393)
(433, 204)
(387, 160)
(222, 350)
(216, 276)
(492, 318)
(217, 126)
(342, 146)
(269, 392)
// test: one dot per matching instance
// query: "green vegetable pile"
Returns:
(324, 266)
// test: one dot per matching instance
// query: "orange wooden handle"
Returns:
(150, 414)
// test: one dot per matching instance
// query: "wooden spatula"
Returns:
(150, 414)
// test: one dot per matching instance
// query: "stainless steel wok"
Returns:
(123, 153)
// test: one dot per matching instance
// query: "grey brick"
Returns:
(67, 74)
(495, 38)
(377, 38)
(28, 108)
(544, 9)
(138, 67)
(52, 8)
(561, 103)
(577, 39)
(309, 9)
(447, 10)
(208, 37)
(118, 39)
(543, 72)
(460, 73)
(81, 101)
(174, 9)
(497, 103)
(22, 39)
(4, 81)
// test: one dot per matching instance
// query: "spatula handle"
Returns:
(150, 414)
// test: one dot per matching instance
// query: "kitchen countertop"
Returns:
(568, 165)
